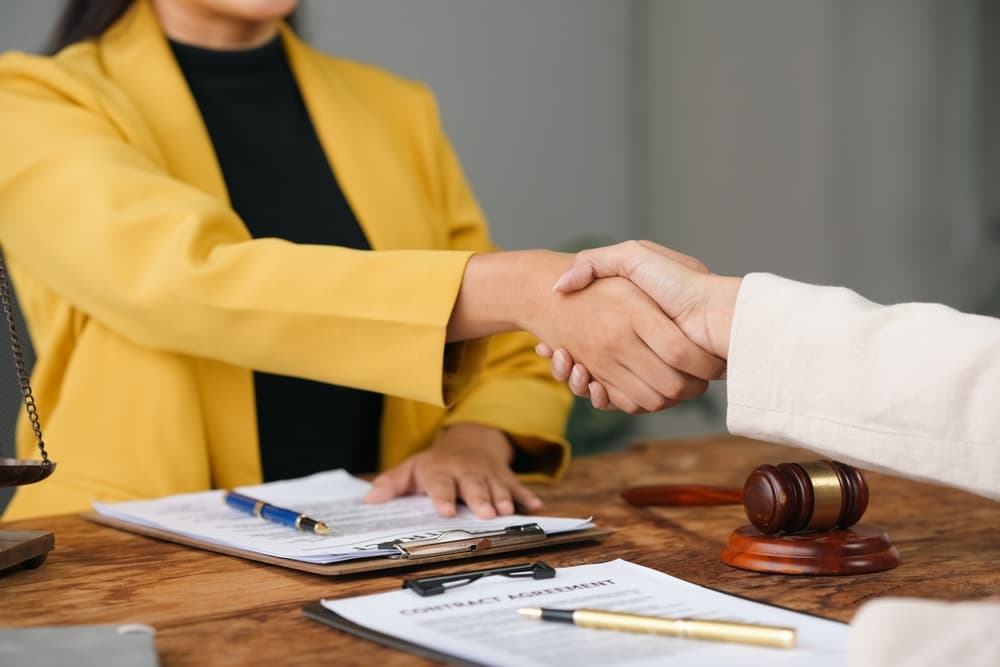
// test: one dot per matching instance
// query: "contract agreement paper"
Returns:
(479, 623)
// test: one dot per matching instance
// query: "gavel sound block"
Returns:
(803, 517)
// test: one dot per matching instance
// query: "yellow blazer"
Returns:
(148, 303)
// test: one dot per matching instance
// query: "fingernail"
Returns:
(576, 376)
(559, 362)
(560, 283)
(505, 507)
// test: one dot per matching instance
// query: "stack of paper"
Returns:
(333, 497)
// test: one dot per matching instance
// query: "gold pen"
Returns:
(691, 628)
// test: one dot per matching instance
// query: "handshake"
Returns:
(666, 338)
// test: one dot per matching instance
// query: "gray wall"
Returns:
(831, 141)
(821, 139)
(537, 96)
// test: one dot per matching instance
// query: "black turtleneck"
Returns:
(281, 184)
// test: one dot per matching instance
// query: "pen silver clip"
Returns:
(461, 541)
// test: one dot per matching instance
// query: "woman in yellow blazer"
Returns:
(150, 304)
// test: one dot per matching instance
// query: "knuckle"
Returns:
(660, 403)
(672, 387)
(631, 246)
(584, 258)
(674, 355)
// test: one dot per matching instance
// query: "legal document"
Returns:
(333, 497)
(479, 622)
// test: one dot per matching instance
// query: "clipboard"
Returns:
(318, 612)
(449, 546)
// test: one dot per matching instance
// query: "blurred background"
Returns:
(849, 142)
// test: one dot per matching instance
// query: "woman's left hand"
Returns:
(468, 462)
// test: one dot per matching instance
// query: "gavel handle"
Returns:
(683, 495)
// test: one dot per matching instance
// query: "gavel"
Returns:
(786, 498)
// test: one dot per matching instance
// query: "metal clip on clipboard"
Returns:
(436, 585)
(462, 541)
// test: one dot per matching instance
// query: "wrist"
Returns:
(484, 440)
(504, 291)
(719, 308)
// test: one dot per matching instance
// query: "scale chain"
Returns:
(22, 373)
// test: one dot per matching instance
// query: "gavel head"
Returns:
(800, 497)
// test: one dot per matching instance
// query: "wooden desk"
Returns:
(217, 610)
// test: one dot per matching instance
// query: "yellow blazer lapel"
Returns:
(377, 182)
(139, 59)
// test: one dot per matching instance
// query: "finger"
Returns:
(503, 500)
(635, 372)
(651, 383)
(543, 350)
(667, 383)
(562, 365)
(623, 401)
(579, 381)
(669, 343)
(525, 500)
(392, 483)
(687, 260)
(441, 489)
(476, 494)
(599, 396)
(614, 399)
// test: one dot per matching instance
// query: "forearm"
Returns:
(909, 388)
(504, 291)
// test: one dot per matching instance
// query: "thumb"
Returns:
(596, 263)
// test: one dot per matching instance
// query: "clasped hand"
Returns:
(634, 326)
(699, 305)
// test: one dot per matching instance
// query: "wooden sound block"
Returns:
(854, 550)
(27, 548)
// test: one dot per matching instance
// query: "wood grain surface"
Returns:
(210, 609)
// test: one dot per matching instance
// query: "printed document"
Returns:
(333, 497)
(479, 622)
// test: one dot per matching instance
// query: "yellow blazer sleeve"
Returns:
(89, 209)
(515, 392)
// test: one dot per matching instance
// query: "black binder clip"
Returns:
(462, 541)
(426, 586)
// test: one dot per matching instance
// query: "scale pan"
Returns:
(17, 472)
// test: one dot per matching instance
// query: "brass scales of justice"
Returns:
(27, 548)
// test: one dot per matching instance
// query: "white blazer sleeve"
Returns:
(912, 388)
(925, 633)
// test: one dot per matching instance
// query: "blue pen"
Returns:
(277, 514)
